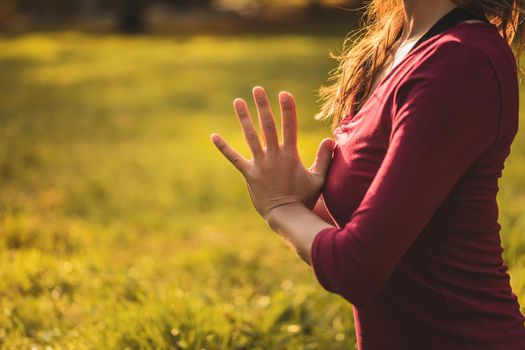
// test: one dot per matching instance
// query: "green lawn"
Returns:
(122, 226)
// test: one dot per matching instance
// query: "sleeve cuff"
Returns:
(321, 257)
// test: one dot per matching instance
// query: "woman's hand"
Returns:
(275, 176)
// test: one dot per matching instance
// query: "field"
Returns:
(121, 225)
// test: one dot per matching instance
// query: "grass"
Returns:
(122, 227)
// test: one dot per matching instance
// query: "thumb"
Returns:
(324, 157)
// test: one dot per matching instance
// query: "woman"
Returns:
(410, 236)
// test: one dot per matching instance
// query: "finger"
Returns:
(323, 158)
(289, 121)
(232, 155)
(250, 134)
(266, 121)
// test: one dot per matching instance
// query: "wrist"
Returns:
(275, 215)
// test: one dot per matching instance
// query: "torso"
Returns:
(411, 295)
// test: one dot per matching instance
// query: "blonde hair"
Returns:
(367, 49)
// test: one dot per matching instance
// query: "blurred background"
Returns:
(121, 224)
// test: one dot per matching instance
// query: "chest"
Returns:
(361, 144)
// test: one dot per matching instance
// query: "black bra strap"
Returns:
(451, 19)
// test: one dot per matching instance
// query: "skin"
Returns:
(283, 191)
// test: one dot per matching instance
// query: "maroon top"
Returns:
(412, 187)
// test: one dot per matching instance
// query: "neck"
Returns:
(420, 15)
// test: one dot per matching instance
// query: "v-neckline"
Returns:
(383, 80)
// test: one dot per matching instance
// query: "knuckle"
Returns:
(220, 145)
(269, 125)
(260, 99)
(290, 153)
(242, 114)
(252, 138)
(236, 160)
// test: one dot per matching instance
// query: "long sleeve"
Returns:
(445, 114)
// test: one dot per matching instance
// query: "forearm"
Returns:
(298, 225)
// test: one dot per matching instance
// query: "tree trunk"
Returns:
(131, 16)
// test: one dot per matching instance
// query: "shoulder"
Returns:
(474, 51)
(472, 64)
(465, 59)
(468, 72)
(448, 68)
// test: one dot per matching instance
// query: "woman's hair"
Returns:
(366, 50)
